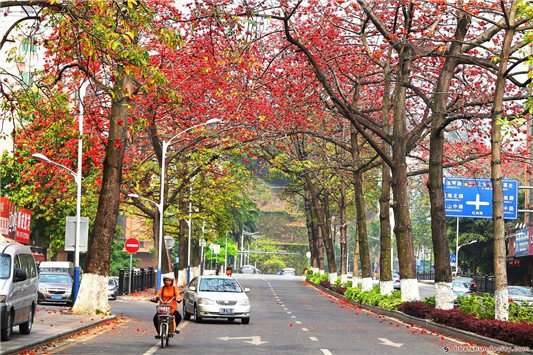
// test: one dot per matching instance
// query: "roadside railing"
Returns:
(141, 279)
(425, 275)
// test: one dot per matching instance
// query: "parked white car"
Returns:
(18, 289)
(216, 296)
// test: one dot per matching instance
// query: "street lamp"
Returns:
(242, 243)
(457, 247)
(162, 193)
(77, 178)
(190, 232)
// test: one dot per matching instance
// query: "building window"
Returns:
(28, 45)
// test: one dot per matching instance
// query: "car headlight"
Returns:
(41, 289)
(245, 302)
(3, 298)
(205, 301)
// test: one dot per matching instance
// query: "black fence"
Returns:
(142, 279)
(426, 275)
(485, 284)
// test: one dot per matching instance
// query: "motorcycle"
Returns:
(166, 318)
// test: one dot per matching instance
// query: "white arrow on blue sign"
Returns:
(452, 258)
(473, 198)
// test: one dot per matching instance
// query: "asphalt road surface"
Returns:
(288, 317)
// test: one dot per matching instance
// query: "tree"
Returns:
(100, 41)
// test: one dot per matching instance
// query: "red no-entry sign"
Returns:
(132, 245)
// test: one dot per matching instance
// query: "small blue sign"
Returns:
(473, 198)
(452, 258)
(522, 242)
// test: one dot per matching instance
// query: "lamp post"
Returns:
(255, 249)
(77, 178)
(189, 224)
(162, 193)
(242, 243)
(457, 247)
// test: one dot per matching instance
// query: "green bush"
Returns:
(480, 307)
(316, 277)
(429, 301)
(352, 292)
(520, 313)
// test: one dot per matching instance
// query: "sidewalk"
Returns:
(53, 323)
(50, 324)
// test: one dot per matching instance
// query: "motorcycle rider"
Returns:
(166, 293)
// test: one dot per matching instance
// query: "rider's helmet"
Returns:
(168, 276)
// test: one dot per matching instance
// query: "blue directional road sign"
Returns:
(452, 258)
(473, 198)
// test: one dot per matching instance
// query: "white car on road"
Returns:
(216, 296)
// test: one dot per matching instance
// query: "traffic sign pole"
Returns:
(132, 245)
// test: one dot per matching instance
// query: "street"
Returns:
(288, 317)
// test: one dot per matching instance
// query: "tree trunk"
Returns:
(355, 274)
(93, 289)
(496, 177)
(385, 237)
(362, 236)
(324, 227)
(342, 231)
(311, 233)
(439, 235)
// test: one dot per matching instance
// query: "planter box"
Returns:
(432, 326)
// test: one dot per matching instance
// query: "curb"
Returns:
(57, 337)
(432, 326)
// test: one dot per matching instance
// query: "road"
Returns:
(288, 317)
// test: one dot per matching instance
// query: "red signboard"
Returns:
(132, 245)
(23, 225)
(4, 216)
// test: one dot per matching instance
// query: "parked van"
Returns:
(18, 289)
(57, 266)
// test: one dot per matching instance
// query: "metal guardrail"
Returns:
(485, 284)
(141, 279)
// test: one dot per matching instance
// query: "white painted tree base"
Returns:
(501, 299)
(409, 288)
(344, 278)
(321, 272)
(366, 284)
(386, 287)
(182, 277)
(315, 270)
(356, 281)
(333, 278)
(443, 295)
(92, 296)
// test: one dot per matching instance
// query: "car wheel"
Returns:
(6, 333)
(25, 328)
(245, 320)
(197, 317)
(186, 315)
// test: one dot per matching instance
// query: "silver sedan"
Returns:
(216, 296)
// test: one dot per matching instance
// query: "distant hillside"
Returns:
(280, 220)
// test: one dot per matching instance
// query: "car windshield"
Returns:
(219, 285)
(520, 291)
(63, 279)
(5, 266)
(459, 284)
(111, 283)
